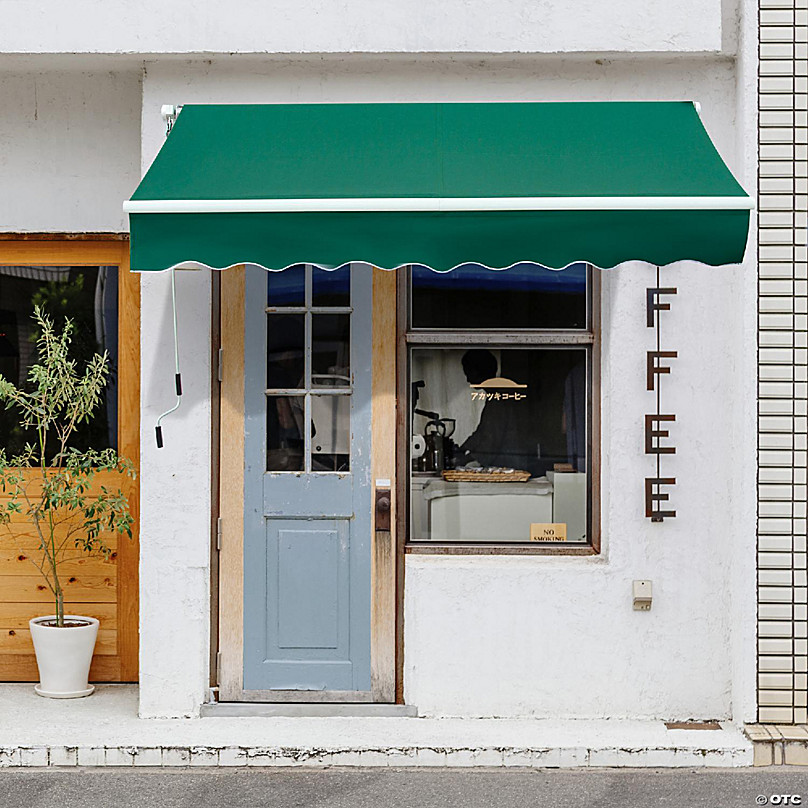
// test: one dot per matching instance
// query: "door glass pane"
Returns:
(286, 356)
(287, 288)
(331, 350)
(330, 433)
(475, 297)
(499, 444)
(331, 287)
(89, 297)
(285, 433)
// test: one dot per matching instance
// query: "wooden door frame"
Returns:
(107, 249)
(230, 655)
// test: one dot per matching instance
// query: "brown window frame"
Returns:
(589, 337)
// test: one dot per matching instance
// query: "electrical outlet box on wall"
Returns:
(642, 594)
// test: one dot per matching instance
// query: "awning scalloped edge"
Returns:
(197, 265)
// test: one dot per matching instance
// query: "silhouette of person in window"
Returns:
(502, 437)
(544, 426)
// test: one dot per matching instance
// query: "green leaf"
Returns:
(61, 396)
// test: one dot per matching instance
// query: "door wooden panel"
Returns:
(308, 641)
(309, 555)
(95, 586)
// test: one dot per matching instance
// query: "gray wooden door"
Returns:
(307, 487)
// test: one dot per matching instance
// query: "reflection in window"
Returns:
(330, 433)
(287, 288)
(286, 354)
(89, 297)
(498, 443)
(285, 441)
(330, 350)
(475, 297)
(331, 287)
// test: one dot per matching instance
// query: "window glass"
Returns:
(331, 287)
(498, 444)
(287, 288)
(523, 296)
(330, 433)
(286, 356)
(285, 441)
(309, 357)
(89, 297)
(330, 350)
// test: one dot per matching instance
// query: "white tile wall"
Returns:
(783, 362)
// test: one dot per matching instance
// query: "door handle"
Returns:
(383, 507)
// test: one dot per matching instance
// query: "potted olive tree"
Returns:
(51, 487)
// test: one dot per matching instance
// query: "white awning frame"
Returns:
(436, 205)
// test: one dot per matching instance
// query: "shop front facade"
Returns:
(312, 528)
(358, 383)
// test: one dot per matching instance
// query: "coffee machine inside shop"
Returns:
(433, 450)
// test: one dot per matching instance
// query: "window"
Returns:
(525, 296)
(88, 295)
(500, 377)
(308, 381)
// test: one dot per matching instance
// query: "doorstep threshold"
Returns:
(234, 709)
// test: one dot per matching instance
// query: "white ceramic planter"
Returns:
(63, 656)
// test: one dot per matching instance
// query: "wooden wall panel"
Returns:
(231, 487)
(129, 443)
(383, 605)
(103, 588)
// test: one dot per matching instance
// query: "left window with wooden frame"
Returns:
(88, 280)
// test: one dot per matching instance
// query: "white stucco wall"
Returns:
(69, 149)
(313, 26)
(743, 583)
(507, 635)
(558, 637)
(175, 497)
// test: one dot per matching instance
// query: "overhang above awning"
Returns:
(437, 184)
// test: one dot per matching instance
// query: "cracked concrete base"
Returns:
(104, 730)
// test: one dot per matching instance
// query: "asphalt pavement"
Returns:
(402, 788)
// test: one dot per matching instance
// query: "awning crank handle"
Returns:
(158, 429)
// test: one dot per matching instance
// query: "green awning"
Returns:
(437, 184)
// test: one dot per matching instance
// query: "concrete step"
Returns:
(104, 730)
